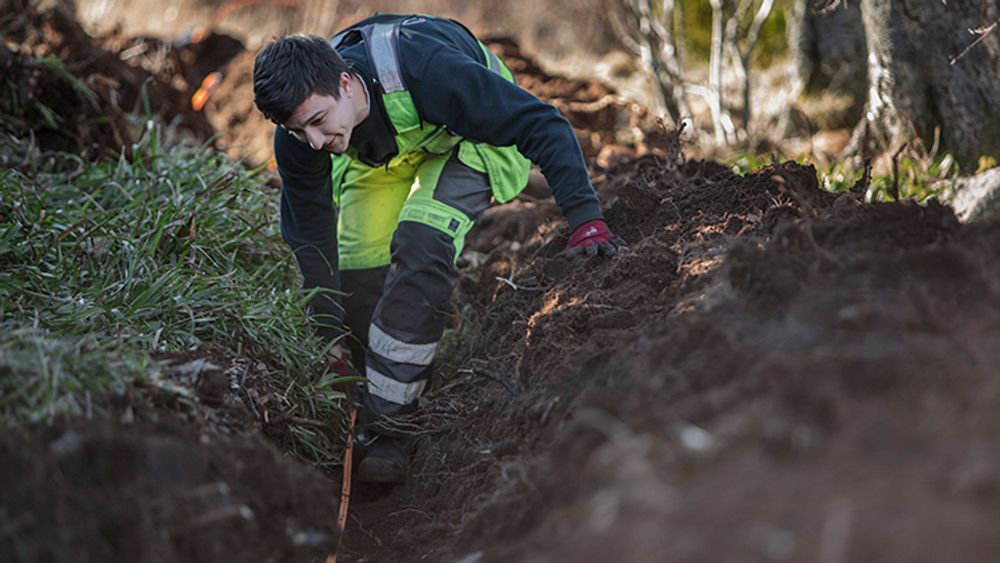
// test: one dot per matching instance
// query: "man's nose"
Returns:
(315, 139)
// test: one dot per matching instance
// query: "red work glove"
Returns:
(339, 363)
(593, 237)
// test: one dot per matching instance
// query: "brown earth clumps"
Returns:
(97, 125)
(770, 371)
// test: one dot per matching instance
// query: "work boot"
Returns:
(385, 461)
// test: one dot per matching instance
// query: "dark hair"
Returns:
(291, 68)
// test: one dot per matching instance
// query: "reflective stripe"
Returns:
(383, 50)
(336, 40)
(385, 387)
(398, 351)
(494, 62)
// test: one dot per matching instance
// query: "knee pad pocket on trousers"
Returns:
(440, 217)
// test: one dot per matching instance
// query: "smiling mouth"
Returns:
(330, 146)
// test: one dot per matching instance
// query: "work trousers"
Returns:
(400, 230)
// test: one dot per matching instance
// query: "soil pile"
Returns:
(244, 132)
(80, 104)
(219, 69)
(104, 492)
(186, 477)
(770, 372)
(192, 478)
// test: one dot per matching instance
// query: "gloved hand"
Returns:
(339, 363)
(593, 237)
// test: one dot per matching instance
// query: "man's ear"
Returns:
(345, 82)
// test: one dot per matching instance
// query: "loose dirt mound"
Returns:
(190, 479)
(95, 125)
(185, 476)
(244, 131)
(106, 492)
(771, 372)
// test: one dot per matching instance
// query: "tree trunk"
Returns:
(828, 51)
(913, 88)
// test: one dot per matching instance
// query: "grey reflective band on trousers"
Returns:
(398, 351)
(387, 388)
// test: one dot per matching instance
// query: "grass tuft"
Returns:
(103, 263)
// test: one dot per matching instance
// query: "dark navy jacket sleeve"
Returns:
(450, 88)
(308, 225)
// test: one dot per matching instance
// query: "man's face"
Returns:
(325, 123)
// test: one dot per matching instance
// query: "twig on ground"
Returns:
(860, 188)
(509, 281)
(894, 192)
(510, 387)
(366, 531)
(789, 185)
(345, 487)
(298, 420)
(410, 509)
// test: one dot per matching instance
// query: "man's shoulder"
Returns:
(420, 36)
(413, 26)
(421, 41)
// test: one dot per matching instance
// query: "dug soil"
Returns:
(769, 372)
(183, 475)
(83, 101)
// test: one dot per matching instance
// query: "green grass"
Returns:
(103, 263)
(43, 377)
(918, 178)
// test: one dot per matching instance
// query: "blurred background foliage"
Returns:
(773, 42)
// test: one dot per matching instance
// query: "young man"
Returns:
(409, 126)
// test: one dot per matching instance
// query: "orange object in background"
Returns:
(198, 34)
(208, 84)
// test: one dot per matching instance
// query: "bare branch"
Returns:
(656, 47)
(982, 32)
(715, 70)
(753, 35)
(860, 188)
(758, 22)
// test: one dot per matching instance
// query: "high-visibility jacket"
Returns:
(452, 93)
(506, 167)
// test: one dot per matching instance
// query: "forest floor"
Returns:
(769, 372)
